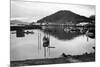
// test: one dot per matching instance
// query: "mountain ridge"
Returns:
(16, 22)
(64, 16)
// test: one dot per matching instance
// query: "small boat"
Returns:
(66, 29)
(29, 32)
(90, 33)
(71, 30)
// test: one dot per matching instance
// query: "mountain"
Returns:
(18, 22)
(92, 18)
(63, 16)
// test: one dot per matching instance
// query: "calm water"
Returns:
(23, 48)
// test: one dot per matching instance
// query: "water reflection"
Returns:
(64, 41)
(61, 32)
(68, 33)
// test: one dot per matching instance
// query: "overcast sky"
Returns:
(33, 11)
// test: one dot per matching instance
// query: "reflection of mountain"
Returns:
(60, 34)
(64, 16)
(18, 22)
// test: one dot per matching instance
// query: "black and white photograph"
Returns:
(43, 33)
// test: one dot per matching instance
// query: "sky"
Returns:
(31, 11)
